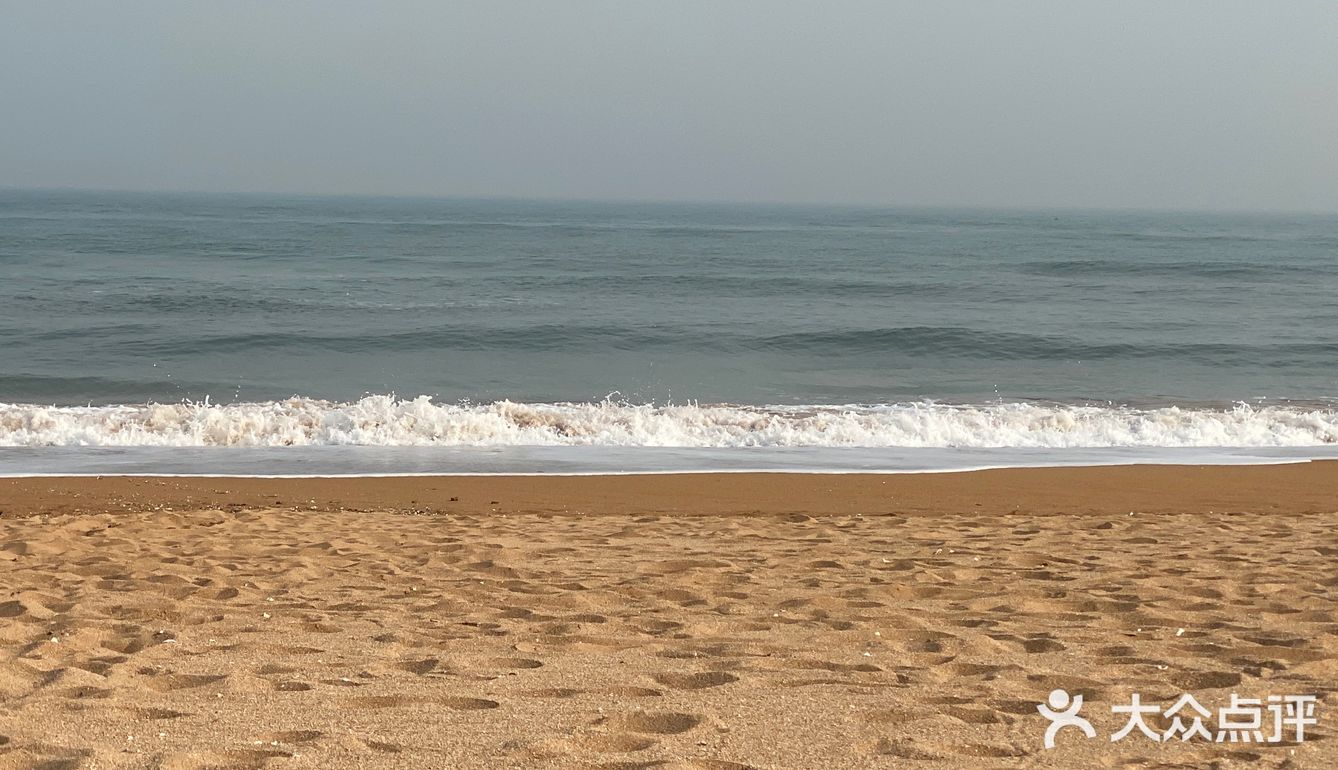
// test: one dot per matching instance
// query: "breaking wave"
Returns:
(391, 421)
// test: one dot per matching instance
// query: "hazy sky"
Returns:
(1211, 104)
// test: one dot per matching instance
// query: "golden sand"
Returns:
(704, 621)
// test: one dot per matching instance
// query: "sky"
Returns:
(1185, 105)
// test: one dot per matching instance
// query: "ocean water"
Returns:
(243, 321)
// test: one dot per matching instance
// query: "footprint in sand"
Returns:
(341, 682)
(167, 682)
(707, 764)
(827, 665)
(963, 669)
(624, 691)
(24, 759)
(1015, 706)
(458, 703)
(976, 715)
(657, 627)
(100, 665)
(1042, 644)
(300, 650)
(514, 663)
(697, 681)
(1090, 689)
(553, 692)
(85, 692)
(154, 713)
(292, 736)
(656, 722)
(419, 667)
(647, 765)
(902, 749)
(234, 760)
(382, 701)
(354, 745)
(1205, 680)
(894, 716)
(612, 743)
(986, 751)
(385, 747)
(126, 645)
(469, 704)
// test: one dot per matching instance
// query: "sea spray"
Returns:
(384, 420)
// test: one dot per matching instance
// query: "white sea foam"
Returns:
(387, 421)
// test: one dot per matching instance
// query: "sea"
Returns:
(251, 334)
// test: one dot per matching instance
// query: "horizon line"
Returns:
(884, 206)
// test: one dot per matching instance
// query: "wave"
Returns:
(384, 420)
(1223, 269)
(938, 342)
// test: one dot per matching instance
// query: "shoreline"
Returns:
(1307, 487)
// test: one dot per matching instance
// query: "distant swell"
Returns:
(935, 342)
(388, 421)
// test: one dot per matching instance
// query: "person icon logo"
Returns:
(1063, 712)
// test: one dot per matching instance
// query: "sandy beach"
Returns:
(648, 386)
(695, 621)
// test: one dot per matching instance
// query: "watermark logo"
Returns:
(1063, 712)
(1244, 720)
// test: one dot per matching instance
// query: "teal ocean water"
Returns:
(241, 320)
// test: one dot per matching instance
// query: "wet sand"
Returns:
(703, 621)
